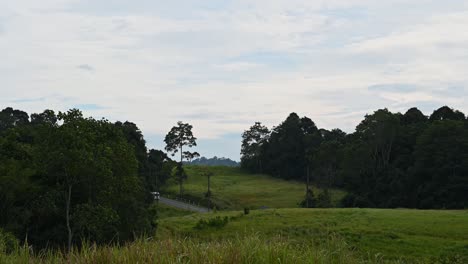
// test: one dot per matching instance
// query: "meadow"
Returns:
(384, 234)
(275, 230)
(283, 236)
(234, 189)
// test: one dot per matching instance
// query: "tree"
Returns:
(253, 141)
(413, 116)
(135, 138)
(177, 138)
(446, 113)
(87, 168)
(159, 168)
(10, 118)
(46, 117)
(441, 168)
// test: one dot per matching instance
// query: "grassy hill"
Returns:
(234, 189)
(285, 236)
(381, 234)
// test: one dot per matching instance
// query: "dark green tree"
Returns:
(180, 136)
(446, 113)
(253, 141)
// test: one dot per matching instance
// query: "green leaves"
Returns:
(70, 176)
(178, 137)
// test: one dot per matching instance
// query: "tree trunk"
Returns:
(68, 217)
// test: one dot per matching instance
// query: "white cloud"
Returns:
(224, 68)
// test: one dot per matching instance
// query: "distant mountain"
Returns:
(215, 161)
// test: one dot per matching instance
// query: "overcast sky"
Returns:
(222, 65)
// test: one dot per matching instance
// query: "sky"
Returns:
(222, 65)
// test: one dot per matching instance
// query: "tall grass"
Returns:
(249, 249)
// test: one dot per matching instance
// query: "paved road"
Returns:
(182, 205)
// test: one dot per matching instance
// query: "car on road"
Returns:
(156, 195)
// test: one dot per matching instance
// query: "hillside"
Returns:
(234, 189)
(386, 234)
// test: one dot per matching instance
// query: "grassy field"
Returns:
(249, 249)
(233, 189)
(279, 234)
(394, 234)
(165, 211)
(285, 236)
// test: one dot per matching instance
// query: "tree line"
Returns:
(391, 160)
(66, 178)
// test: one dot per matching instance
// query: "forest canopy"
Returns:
(391, 160)
(65, 178)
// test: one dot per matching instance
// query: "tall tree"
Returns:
(159, 168)
(446, 113)
(253, 141)
(180, 136)
(10, 118)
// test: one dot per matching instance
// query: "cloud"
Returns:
(222, 65)
(85, 67)
(402, 88)
(89, 107)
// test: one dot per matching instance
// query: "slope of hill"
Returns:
(232, 188)
(427, 236)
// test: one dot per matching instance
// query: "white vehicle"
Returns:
(156, 195)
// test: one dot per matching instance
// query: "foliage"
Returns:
(178, 137)
(8, 243)
(65, 178)
(181, 136)
(253, 141)
(391, 160)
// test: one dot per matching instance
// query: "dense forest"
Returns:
(65, 178)
(391, 160)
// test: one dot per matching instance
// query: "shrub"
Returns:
(8, 242)
(217, 222)
(324, 199)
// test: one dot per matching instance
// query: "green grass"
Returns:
(248, 249)
(285, 236)
(393, 234)
(234, 189)
(165, 211)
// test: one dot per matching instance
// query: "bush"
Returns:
(217, 222)
(8, 242)
(352, 200)
(309, 201)
(324, 199)
(348, 200)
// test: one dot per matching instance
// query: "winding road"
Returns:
(182, 205)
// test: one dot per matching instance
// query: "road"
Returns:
(182, 205)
